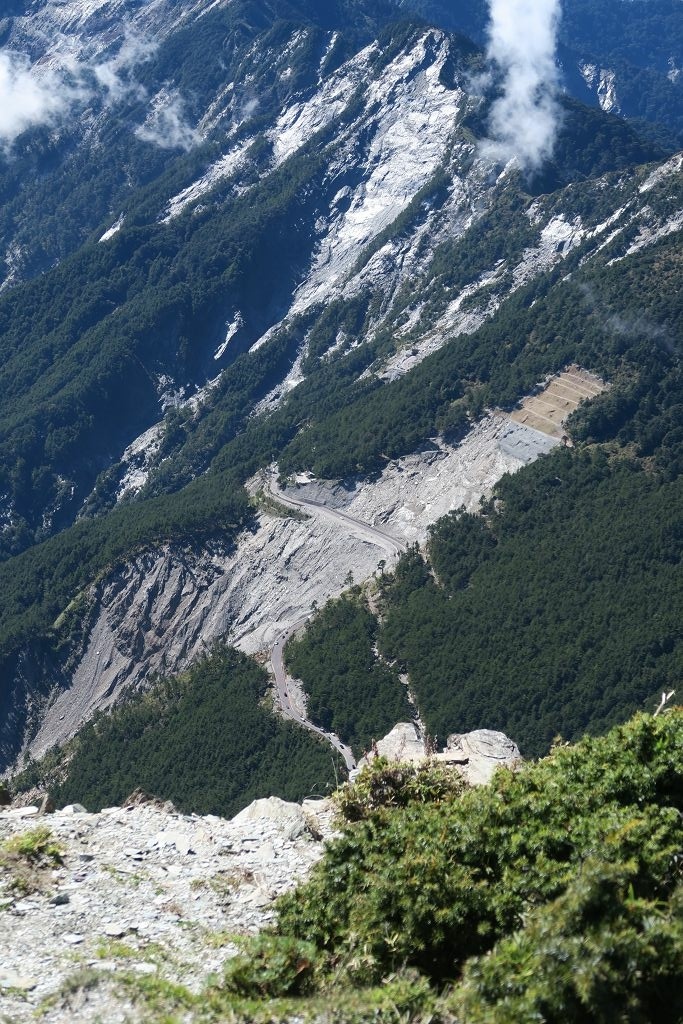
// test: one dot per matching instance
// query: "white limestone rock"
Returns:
(403, 744)
(476, 755)
(289, 819)
(481, 751)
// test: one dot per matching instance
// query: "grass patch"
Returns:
(35, 847)
(26, 858)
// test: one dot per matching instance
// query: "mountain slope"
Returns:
(306, 258)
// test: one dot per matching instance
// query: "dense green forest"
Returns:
(203, 740)
(350, 691)
(553, 894)
(557, 612)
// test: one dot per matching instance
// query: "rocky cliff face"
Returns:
(474, 755)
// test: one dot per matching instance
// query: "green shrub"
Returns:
(382, 784)
(433, 885)
(35, 846)
(270, 966)
(597, 953)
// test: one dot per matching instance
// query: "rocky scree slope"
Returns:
(137, 892)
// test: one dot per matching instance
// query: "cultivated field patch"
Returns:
(549, 409)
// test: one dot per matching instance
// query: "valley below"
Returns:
(168, 607)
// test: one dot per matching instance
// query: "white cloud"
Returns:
(524, 120)
(167, 126)
(113, 75)
(29, 98)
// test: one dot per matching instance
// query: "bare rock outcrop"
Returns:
(403, 743)
(475, 755)
(288, 818)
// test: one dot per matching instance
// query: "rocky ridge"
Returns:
(140, 891)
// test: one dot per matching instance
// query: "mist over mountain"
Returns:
(622, 56)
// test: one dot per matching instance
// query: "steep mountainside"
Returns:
(301, 185)
(247, 233)
(623, 56)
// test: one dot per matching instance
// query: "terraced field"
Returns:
(548, 410)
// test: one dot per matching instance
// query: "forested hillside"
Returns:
(276, 235)
(558, 614)
(203, 740)
(341, 386)
(349, 690)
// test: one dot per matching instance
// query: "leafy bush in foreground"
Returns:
(557, 888)
(597, 953)
(383, 784)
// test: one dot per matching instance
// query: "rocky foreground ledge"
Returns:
(95, 907)
(137, 891)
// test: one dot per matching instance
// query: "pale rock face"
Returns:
(403, 744)
(288, 818)
(601, 81)
(475, 755)
(483, 750)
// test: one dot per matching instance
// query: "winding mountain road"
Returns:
(376, 536)
(288, 709)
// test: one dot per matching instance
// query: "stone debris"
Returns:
(46, 806)
(476, 755)
(290, 819)
(18, 982)
(143, 890)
